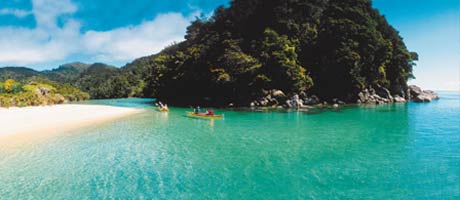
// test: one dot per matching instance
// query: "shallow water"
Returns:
(400, 151)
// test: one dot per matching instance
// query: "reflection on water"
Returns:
(399, 151)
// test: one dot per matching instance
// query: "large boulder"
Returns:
(384, 93)
(425, 96)
(380, 95)
(278, 94)
(422, 98)
(418, 95)
(363, 96)
(294, 102)
(414, 91)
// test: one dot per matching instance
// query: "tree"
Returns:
(281, 65)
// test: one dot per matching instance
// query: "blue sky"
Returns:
(432, 29)
(46, 33)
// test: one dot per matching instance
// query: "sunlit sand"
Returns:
(45, 119)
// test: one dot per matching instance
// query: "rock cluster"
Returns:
(370, 95)
(277, 98)
(418, 95)
(271, 98)
(380, 95)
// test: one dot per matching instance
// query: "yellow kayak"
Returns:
(163, 109)
(204, 115)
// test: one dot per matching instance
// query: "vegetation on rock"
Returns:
(37, 91)
(332, 49)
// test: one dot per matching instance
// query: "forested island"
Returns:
(261, 53)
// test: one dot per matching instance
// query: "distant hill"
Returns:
(17, 73)
(80, 75)
(91, 79)
(67, 72)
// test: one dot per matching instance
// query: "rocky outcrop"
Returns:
(277, 98)
(418, 95)
(414, 91)
(294, 102)
(270, 99)
(380, 95)
(371, 95)
(384, 93)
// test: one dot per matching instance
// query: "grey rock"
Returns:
(384, 93)
(422, 98)
(399, 99)
(294, 102)
(289, 104)
(414, 91)
(418, 95)
(425, 96)
(278, 94)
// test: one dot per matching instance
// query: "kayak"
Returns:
(163, 109)
(204, 115)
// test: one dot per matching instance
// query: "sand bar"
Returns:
(43, 119)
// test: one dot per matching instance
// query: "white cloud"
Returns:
(48, 42)
(21, 46)
(46, 12)
(16, 12)
(131, 42)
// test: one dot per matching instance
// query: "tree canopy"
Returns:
(332, 49)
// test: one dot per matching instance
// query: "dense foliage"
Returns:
(37, 91)
(329, 48)
(332, 49)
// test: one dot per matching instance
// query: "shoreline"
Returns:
(41, 120)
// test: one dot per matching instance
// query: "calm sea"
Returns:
(400, 151)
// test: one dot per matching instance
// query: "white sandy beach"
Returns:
(43, 119)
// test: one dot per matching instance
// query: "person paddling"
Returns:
(197, 110)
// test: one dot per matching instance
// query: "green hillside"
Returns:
(332, 49)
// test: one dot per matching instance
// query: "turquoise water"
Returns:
(402, 151)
